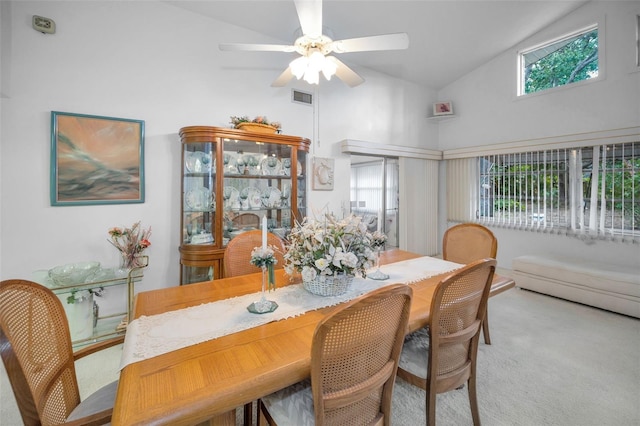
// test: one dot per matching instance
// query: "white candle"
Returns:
(380, 221)
(264, 233)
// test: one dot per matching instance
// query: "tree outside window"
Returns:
(560, 62)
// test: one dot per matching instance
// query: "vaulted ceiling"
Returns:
(447, 39)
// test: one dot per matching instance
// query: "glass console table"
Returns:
(85, 323)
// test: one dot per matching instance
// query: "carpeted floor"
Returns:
(552, 362)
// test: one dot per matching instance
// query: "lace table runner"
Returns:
(150, 336)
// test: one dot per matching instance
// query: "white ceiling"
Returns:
(447, 39)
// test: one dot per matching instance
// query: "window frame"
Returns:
(520, 84)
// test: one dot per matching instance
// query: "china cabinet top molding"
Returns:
(198, 133)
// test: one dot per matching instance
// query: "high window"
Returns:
(559, 62)
(591, 190)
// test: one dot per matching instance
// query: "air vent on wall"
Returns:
(301, 97)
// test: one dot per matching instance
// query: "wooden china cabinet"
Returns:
(231, 178)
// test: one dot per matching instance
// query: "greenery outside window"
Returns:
(589, 191)
(565, 60)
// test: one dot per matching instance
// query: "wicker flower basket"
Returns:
(331, 285)
(256, 127)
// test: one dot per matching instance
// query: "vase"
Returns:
(80, 314)
(329, 285)
(130, 261)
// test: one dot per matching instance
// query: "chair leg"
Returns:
(263, 416)
(473, 400)
(431, 407)
(248, 414)
(485, 327)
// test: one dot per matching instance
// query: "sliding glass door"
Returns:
(375, 194)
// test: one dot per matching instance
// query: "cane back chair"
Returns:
(354, 359)
(465, 243)
(442, 356)
(237, 256)
(35, 345)
(247, 219)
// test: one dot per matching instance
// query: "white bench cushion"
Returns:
(617, 279)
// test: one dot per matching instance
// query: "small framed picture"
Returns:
(443, 108)
(96, 160)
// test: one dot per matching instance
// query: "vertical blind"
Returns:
(590, 190)
(462, 189)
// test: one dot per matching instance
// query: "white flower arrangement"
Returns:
(329, 247)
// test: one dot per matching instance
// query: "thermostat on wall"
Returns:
(44, 25)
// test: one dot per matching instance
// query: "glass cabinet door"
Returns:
(259, 180)
(301, 184)
(198, 193)
(196, 274)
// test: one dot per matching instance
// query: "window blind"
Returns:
(589, 191)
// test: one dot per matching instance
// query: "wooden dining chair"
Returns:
(35, 345)
(354, 358)
(442, 356)
(237, 256)
(465, 243)
(246, 220)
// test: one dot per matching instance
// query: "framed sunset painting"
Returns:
(96, 160)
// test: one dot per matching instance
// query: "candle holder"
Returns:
(263, 305)
(378, 274)
(378, 239)
(265, 259)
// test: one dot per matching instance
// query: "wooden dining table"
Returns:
(209, 380)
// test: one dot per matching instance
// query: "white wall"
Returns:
(488, 112)
(105, 59)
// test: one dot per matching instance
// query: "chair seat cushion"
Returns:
(102, 399)
(292, 405)
(414, 357)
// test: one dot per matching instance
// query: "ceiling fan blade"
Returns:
(283, 78)
(396, 41)
(346, 74)
(256, 47)
(310, 16)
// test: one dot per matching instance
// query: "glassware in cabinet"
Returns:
(198, 193)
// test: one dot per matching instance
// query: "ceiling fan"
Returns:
(315, 49)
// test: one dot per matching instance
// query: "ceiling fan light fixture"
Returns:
(299, 66)
(312, 77)
(329, 68)
(309, 67)
(316, 60)
(315, 48)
